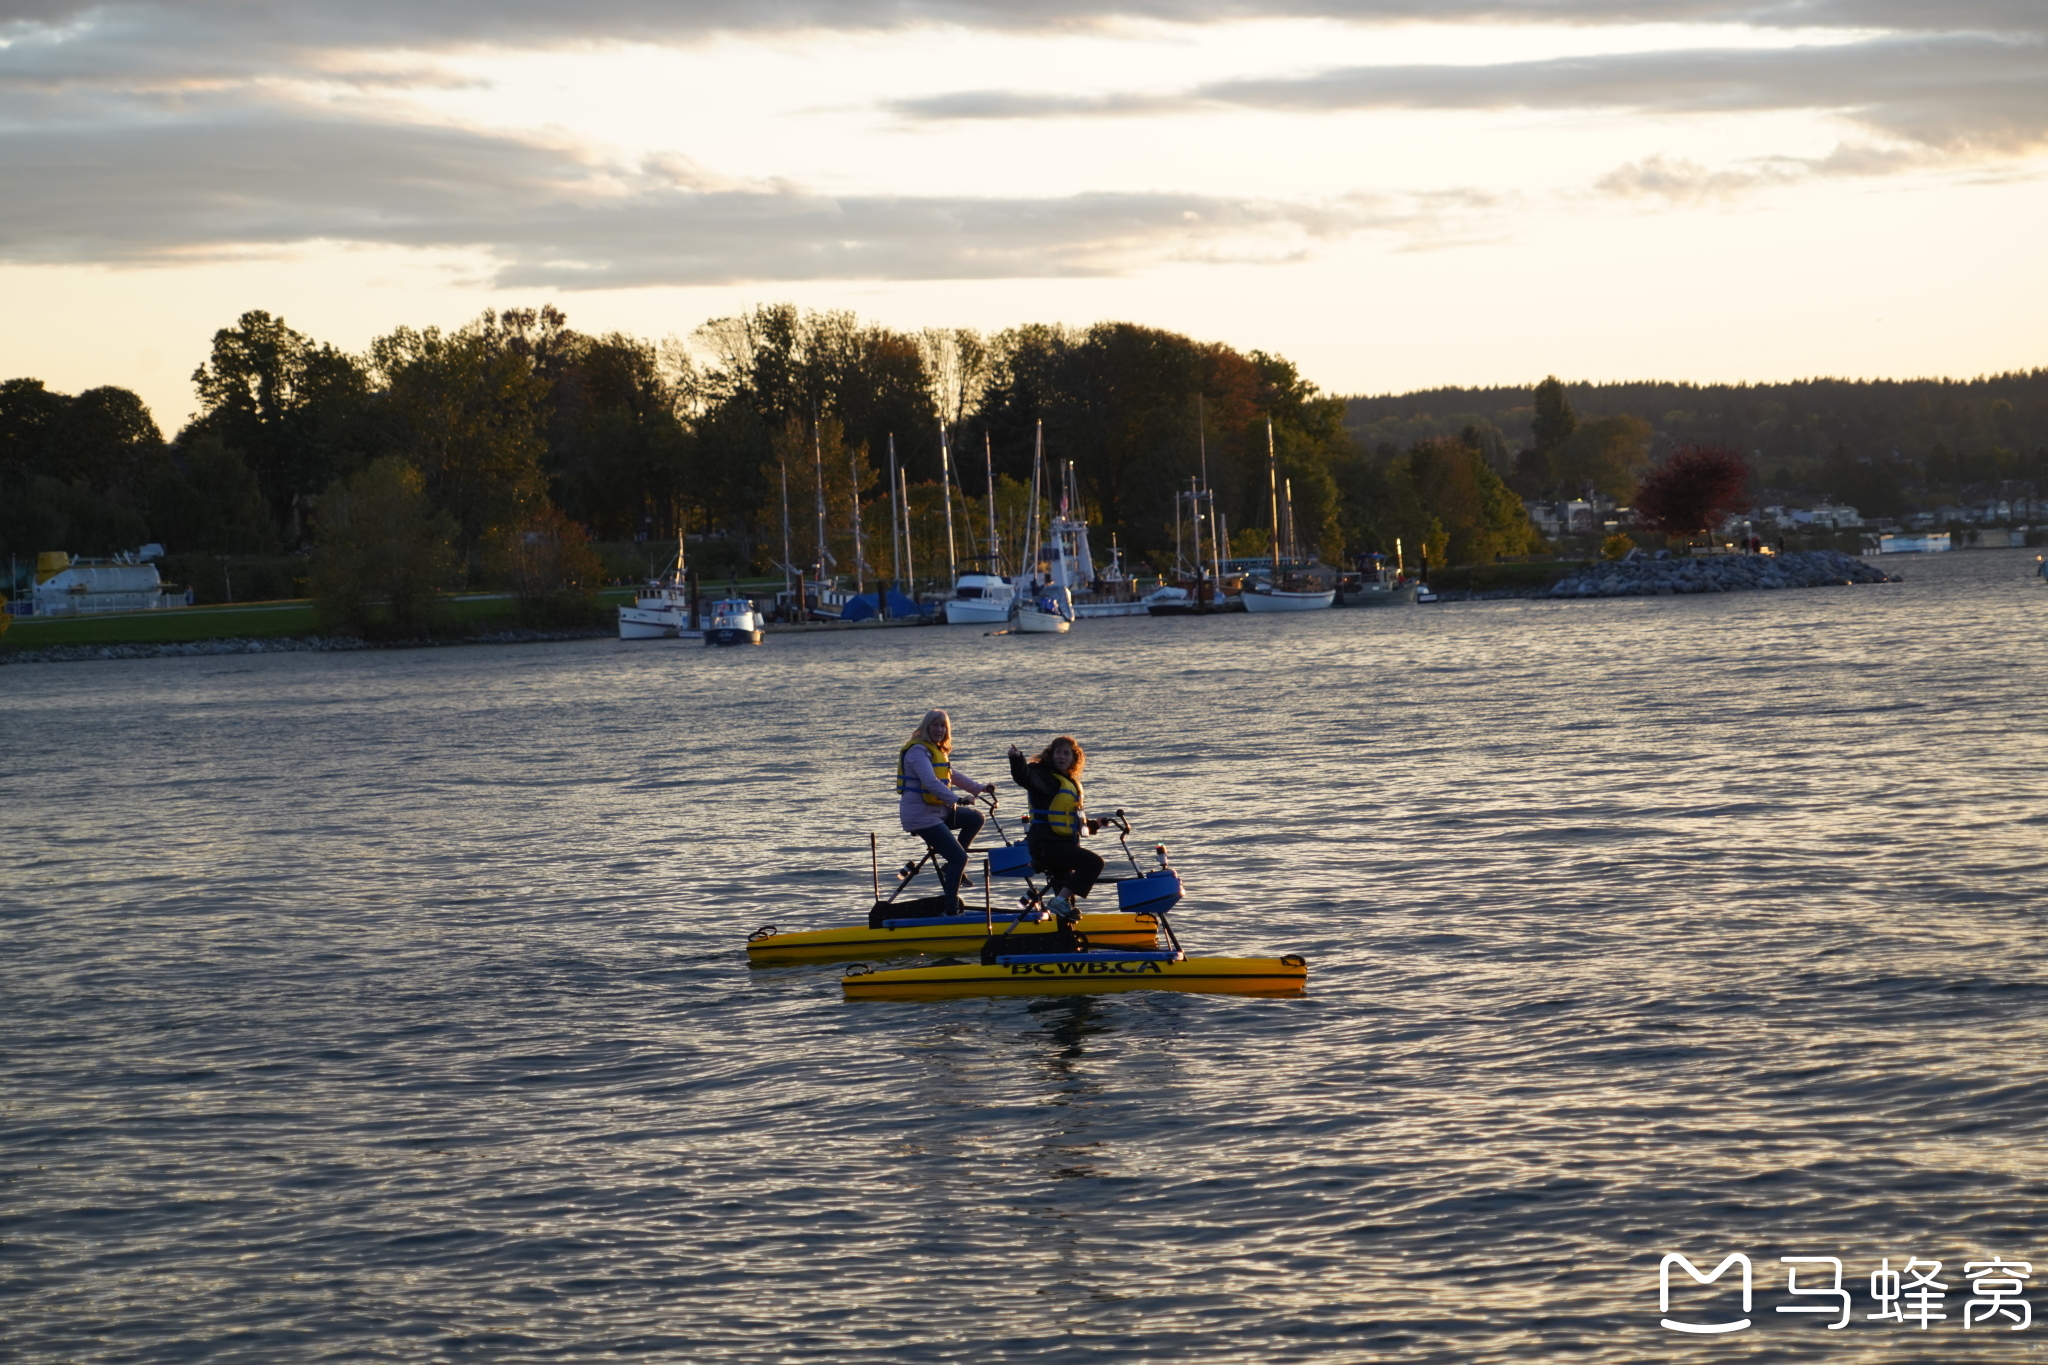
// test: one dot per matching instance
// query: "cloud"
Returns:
(1966, 95)
(1956, 92)
(230, 176)
(432, 23)
(161, 130)
(1678, 180)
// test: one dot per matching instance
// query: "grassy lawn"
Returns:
(243, 621)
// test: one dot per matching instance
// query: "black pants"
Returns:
(953, 852)
(1067, 866)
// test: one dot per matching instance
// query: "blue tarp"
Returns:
(900, 606)
(860, 608)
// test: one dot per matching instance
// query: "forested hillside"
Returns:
(1884, 446)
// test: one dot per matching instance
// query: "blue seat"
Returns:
(1011, 860)
(1155, 891)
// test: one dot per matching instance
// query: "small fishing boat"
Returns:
(661, 607)
(733, 622)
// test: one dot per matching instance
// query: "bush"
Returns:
(377, 542)
(1616, 547)
(547, 563)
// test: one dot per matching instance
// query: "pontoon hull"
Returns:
(858, 941)
(1205, 975)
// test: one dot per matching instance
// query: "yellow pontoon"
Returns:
(963, 934)
(1084, 974)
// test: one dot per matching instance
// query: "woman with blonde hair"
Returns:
(1053, 782)
(930, 804)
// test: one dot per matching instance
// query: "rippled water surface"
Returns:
(392, 1006)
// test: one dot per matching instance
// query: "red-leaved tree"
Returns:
(1692, 489)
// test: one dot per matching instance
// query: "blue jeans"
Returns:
(953, 852)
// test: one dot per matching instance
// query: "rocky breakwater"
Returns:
(1718, 573)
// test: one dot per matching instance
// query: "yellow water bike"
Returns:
(899, 924)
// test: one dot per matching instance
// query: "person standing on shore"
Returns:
(1053, 782)
(931, 804)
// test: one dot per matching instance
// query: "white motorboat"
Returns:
(733, 622)
(980, 599)
(661, 608)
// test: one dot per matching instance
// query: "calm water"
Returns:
(392, 1006)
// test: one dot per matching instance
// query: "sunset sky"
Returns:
(1392, 193)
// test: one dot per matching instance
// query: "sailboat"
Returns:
(982, 597)
(1065, 563)
(1287, 587)
(1040, 606)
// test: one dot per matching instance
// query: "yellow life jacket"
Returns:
(1062, 814)
(942, 769)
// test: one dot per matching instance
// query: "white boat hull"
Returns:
(655, 623)
(1276, 600)
(1031, 621)
(970, 612)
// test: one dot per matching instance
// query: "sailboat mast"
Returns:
(787, 586)
(860, 549)
(946, 482)
(1031, 545)
(818, 460)
(909, 569)
(895, 514)
(1195, 490)
(1273, 494)
(995, 549)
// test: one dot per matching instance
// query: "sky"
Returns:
(1394, 194)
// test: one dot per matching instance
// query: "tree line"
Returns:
(517, 425)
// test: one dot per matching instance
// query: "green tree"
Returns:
(379, 541)
(467, 410)
(1606, 453)
(297, 410)
(204, 498)
(73, 469)
(1555, 420)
